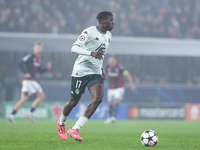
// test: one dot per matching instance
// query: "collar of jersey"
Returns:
(100, 31)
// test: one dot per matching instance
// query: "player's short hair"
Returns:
(103, 15)
(38, 43)
(112, 56)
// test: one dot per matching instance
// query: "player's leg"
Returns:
(23, 99)
(66, 111)
(21, 102)
(25, 92)
(96, 88)
(118, 98)
(110, 96)
(111, 112)
(96, 92)
(68, 108)
(40, 97)
(116, 102)
(97, 96)
(35, 87)
(78, 85)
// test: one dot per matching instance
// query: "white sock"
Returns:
(63, 119)
(80, 122)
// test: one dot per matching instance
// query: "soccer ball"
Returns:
(149, 138)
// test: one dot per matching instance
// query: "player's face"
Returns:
(109, 24)
(38, 49)
(112, 61)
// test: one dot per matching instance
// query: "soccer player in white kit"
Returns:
(91, 46)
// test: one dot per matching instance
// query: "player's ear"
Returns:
(103, 21)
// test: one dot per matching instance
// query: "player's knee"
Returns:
(41, 96)
(97, 100)
(73, 102)
(23, 100)
(24, 97)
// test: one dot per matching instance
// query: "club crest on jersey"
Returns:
(82, 38)
(77, 91)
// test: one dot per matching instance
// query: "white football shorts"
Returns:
(31, 87)
(115, 94)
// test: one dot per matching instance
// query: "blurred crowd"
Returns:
(149, 18)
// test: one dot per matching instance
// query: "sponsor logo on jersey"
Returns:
(101, 48)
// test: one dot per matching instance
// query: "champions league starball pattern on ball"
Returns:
(149, 138)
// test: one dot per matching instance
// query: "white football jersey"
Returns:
(91, 39)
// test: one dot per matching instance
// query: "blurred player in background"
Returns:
(88, 71)
(116, 74)
(30, 65)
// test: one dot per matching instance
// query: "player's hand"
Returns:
(27, 75)
(133, 88)
(48, 65)
(103, 75)
(97, 55)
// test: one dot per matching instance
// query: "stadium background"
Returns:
(157, 42)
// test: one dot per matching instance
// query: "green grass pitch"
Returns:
(173, 135)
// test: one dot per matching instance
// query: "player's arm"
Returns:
(81, 51)
(130, 80)
(78, 46)
(103, 74)
(48, 67)
(23, 66)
